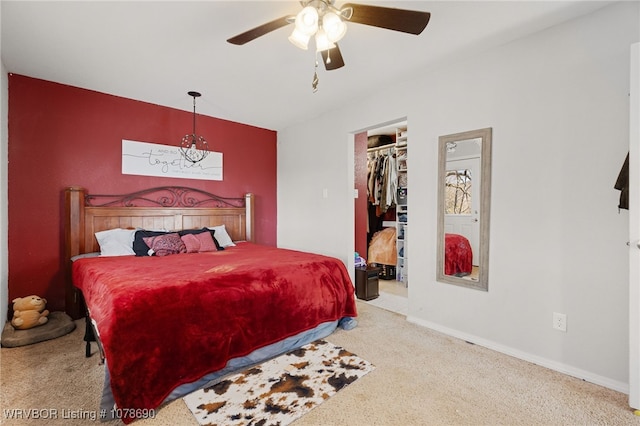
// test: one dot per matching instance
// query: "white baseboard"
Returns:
(544, 362)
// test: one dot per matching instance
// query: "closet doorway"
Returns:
(381, 209)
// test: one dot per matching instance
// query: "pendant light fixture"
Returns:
(194, 148)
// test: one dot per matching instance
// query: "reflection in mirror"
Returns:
(464, 189)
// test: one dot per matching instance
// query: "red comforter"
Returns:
(166, 321)
(458, 255)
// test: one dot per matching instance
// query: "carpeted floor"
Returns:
(421, 378)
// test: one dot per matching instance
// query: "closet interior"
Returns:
(387, 185)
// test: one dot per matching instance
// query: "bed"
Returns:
(173, 322)
(458, 255)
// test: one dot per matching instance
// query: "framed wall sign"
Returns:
(150, 159)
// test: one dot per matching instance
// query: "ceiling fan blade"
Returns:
(259, 31)
(406, 21)
(334, 57)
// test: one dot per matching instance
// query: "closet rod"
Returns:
(379, 148)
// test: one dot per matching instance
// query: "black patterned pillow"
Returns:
(139, 246)
(164, 245)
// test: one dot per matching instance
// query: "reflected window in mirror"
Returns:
(457, 192)
(464, 175)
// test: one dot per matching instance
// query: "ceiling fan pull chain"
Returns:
(314, 83)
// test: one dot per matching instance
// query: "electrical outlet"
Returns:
(560, 321)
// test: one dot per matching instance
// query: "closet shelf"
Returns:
(401, 208)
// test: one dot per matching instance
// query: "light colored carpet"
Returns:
(421, 378)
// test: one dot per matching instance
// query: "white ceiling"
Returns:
(156, 51)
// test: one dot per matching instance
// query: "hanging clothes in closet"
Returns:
(382, 187)
(382, 179)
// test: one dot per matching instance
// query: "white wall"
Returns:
(558, 104)
(634, 230)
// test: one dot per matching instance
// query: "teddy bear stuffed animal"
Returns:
(29, 312)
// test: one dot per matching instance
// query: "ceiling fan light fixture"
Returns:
(334, 27)
(323, 14)
(299, 39)
(322, 41)
(346, 13)
(307, 21)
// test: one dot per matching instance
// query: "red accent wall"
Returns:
(360, 170)
(62, 136)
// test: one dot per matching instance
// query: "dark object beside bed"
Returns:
(367, 282)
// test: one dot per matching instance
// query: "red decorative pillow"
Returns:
(191, 243)
(164, 245)
(199, 242)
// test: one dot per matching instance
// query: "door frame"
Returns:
(634, 230)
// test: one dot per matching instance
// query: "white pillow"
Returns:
(116, 242)
(222, 236)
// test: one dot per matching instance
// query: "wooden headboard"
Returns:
(168, 207)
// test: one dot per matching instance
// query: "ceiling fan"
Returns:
(327, 23)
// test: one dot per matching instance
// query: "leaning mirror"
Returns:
(464, 190)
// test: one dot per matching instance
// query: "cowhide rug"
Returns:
(280, 390)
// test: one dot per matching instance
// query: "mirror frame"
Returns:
(485, 206)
